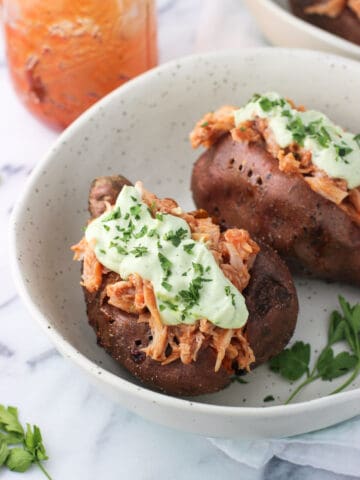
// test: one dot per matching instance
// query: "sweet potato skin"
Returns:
(346, 25)
(244, 186)
(270, 296)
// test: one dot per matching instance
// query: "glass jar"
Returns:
(64, 55)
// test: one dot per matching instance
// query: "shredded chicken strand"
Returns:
(212, 126)
(92, 268)
(330, 8)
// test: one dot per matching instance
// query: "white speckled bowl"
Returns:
(141, 130)
(281, 27)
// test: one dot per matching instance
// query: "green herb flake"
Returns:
(139, 251)
(102, 251)
(297, 128)
(114, 215)
(165, 263)
(198, 268)
(106, 227)
(266, 104)
(342, 150)
(151, 232)
(269, 398)
(166, 285)
(189, 247)
(205, 124)
(357, 139)
(159, 216)
(135, 211)
(176, 237)
(170, 305)
(142, 232)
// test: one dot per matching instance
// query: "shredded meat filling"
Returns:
(333, 8)
(235, 253)
(293, 159)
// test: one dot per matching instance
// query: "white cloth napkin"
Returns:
(228, 24)
(336, 449)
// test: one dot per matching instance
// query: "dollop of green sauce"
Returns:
(188, 283)
(334, 150)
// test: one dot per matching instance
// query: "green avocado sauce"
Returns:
(334, 150)
(188, 283)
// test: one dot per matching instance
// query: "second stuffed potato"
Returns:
(278, 192)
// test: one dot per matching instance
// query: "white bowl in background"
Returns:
(282, 28)
(141, 130)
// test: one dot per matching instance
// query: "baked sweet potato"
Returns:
(240, 183)
(270, 298)
(340, 17)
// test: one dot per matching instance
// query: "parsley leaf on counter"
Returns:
(292, 363)
(30, 448)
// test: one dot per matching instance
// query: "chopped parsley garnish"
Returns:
(107, 228)
(142, 232)
(297, 128)
(152, 232)
(188, 247)
(127, 216)
(121, 250)
(176, 237)
(266, 104)
(165, 264)
(102, 251)
(191, 296)
(254, 98)
(139, 251)
(357, 139)
(172, 306)
(286, 113)
(134, 199)
(159, 216)
(343, 150)
(229, 293)
(205, 124)
(114, 215)
(166, 285)
(135, 211)
(198, 268)
(159, 246)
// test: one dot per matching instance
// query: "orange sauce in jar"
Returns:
(64, 55)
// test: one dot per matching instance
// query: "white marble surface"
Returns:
(87, 435)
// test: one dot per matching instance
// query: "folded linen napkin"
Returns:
(227, 24)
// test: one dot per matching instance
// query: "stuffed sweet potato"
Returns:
(287, 175)
(341, 17)
(135, 320)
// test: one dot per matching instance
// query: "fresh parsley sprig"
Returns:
(19, 449)
(294, 362)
